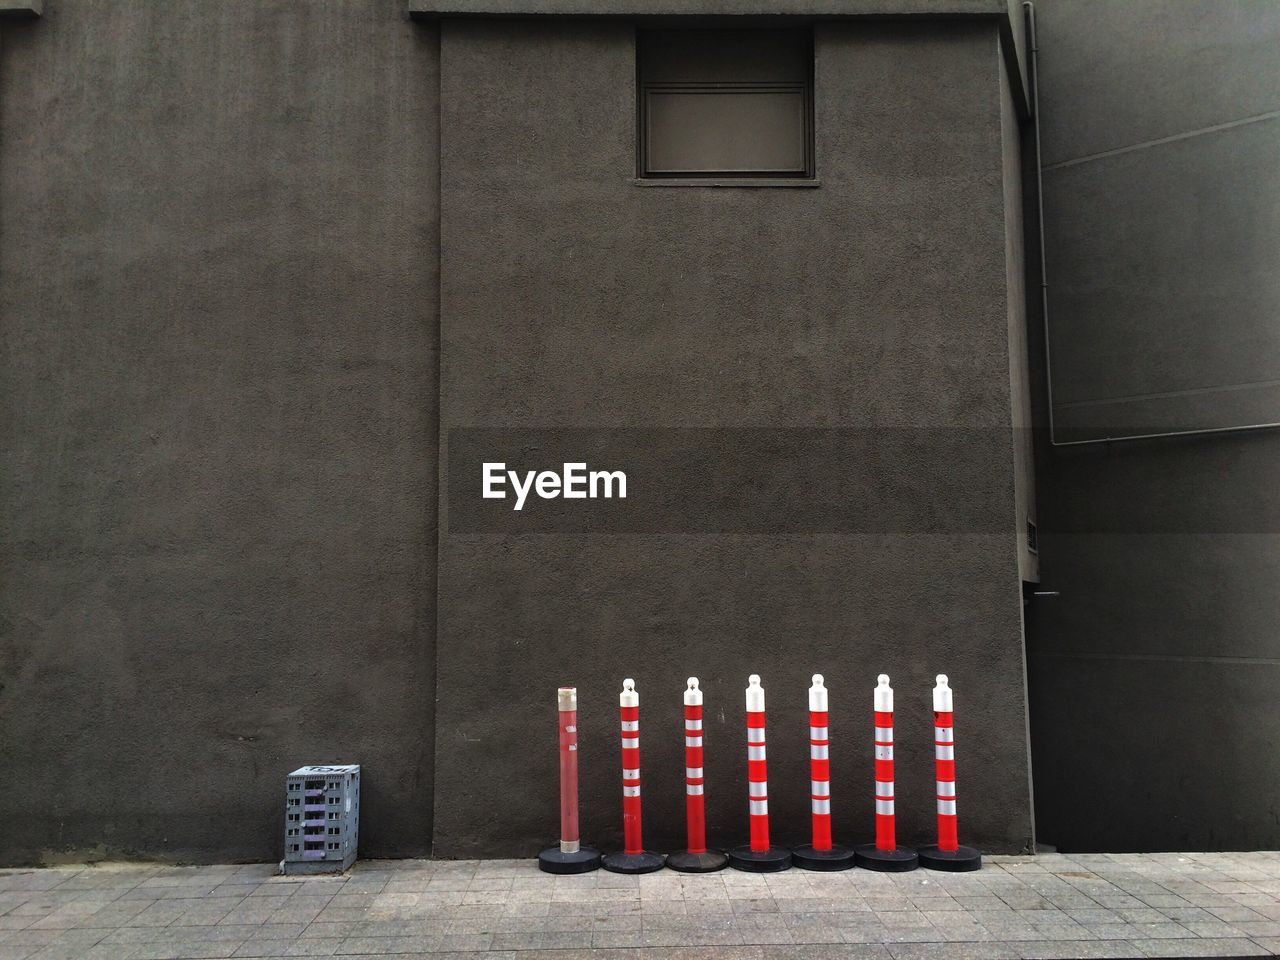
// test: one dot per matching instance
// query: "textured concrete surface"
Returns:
(1016, 908)
(217, 378)
(570, 298)
(1153, 675)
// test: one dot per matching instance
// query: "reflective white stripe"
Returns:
(945, 734)
(818, 752)
(759, 808)
(630, 774)
(818, 733)
(758, 789)
(753, 753)
(885, 753)
(694, 772)
(884, 789)
(821, 806)
(755, 742)
(946, 788)
(693, 741)
(821, 788)
(693, 724)
(944, 753)
(631, 791)
(630, 743)
(630, 724)
(884, 807)
(885, 734)
(693, 789)
(947, 808)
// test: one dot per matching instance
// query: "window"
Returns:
(725, 103)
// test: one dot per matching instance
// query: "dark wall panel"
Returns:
(1162, 267)
(217, 385)
(1184, 765)
(1118, 74)
(572, 297)
(1150, 676)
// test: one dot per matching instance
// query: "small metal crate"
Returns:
(321, 819)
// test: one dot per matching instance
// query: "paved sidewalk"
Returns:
(1017, 907)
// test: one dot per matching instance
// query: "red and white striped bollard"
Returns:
(947, 854)
(758, 856)
(696, 858)
(633, 858)
(822, 854)
(885, 855)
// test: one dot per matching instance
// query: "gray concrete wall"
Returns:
(227, 343)
(217, 404)
(572, 297)
(1153, 676)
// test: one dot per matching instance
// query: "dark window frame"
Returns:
(645, 88)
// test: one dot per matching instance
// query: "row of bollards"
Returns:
(759, 855)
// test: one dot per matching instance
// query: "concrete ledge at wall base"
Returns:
(20, 8)
(735, 8)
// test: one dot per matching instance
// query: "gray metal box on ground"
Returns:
(321, 819)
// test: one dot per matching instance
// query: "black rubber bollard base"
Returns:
(767, 861)
(885, 861)
(553, 860)
(621, 862)
(837, 858)
(706, 862)
(955, 861)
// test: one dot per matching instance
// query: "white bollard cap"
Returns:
(942, 695)
(567, 698)
(628, 697)
(818, 695)
(884, 694)
(755, 694)
(693, 696)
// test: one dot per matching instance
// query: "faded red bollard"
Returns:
(947, 854)
(885, 855)
(696, 858)
(758, 856)
(570, 856)
(822, 854)
(633, 858)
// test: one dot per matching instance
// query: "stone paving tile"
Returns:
(1258, 928)
(967, 951)
(856, 951)
(1054, 906)
(1237, 947)
(1078, 950)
